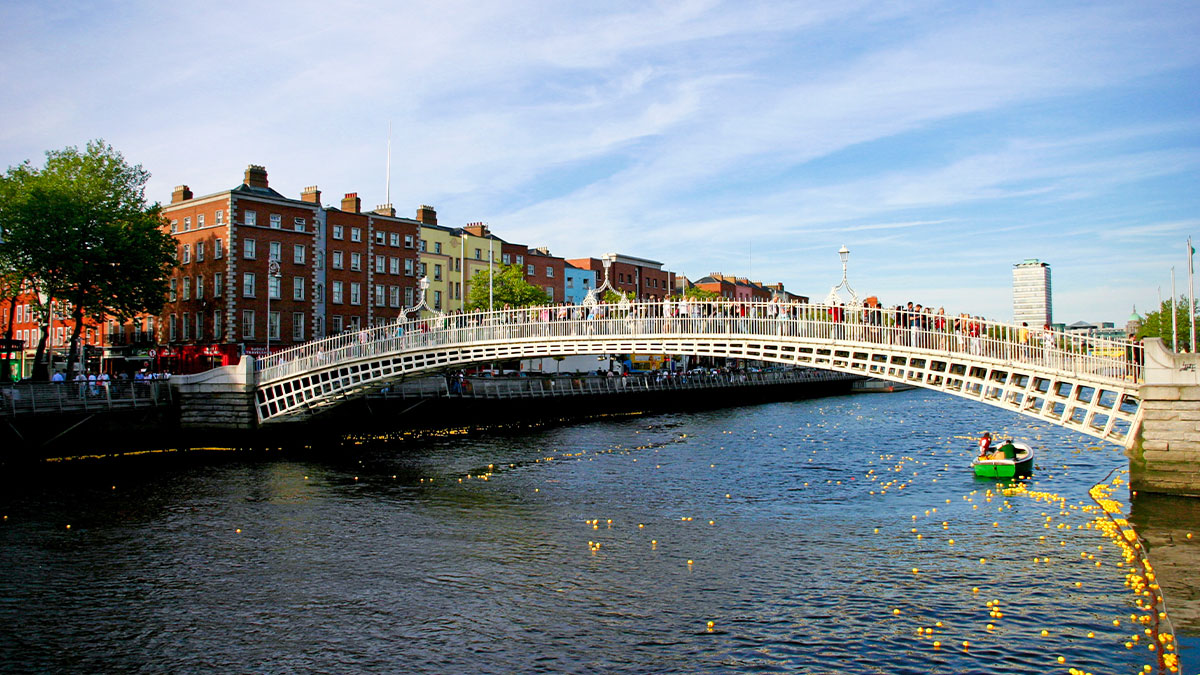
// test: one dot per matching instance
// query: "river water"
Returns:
(814, 535)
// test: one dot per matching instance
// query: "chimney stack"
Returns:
(182, 193)
(426, 215)
(256, 176)
(351, 202)
(311, 195)
(385, 210)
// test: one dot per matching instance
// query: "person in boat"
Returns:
(1008, 450)
(985, 444)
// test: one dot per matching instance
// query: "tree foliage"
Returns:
(81, 228)
(508, 288)
(1158, 323)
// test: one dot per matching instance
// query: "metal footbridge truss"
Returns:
(1083, 383)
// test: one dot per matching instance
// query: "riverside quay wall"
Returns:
(1164, 455)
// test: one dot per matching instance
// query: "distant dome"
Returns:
(1135, 316)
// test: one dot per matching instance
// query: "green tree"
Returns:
(81, 228)
(508, 288)
(613, 297)
(1158, 323)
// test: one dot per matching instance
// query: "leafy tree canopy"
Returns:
(508, 288)
(81, 228)
(695, 293)
(1158, 323)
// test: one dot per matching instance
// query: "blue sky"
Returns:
(941, 142)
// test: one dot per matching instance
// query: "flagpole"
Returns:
(1191, 295)
(1174, 315)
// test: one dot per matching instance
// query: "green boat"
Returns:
(1013, 459)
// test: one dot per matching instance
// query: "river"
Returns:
(840, 534)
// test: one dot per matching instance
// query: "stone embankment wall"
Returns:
(219, 399)
(1164, 455)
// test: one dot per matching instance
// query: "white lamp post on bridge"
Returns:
(833, 299)
(272, 273)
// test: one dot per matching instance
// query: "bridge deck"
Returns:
(1076, 381)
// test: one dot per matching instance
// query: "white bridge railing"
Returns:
(1098, 360)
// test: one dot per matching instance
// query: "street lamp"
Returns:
(844, 254)
(272, 273)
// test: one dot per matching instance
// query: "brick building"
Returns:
(320, 270)
(645, 279)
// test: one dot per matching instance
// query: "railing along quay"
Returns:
(27, 398)
(590, 385)
(1117, 361)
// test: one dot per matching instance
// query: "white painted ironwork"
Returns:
(1084, 383)
(833, 299)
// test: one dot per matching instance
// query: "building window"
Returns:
(220, 217)
(298, 326)
(318, 293)
(437, 247)
(218, 329)
(424, 269)
(298, 224)
(276, 251)
(355, 293)
(393, 265)
(520, 260)
(199, 287)
(247, 284)
(174, 292)
(506, 259)
(355, 261)
(408, 241)
(394, 239)
(273, 284)
(297, 288)
(437, 272)
(337, 260)
(199, 224)
(298, 254)
(248, 249)
(248, 323)
(479, 254)
(187, 253)
(187, 288)
(408, 266)
(276, 221)
(174, 227)
(217, 288)
(379, 299)
(355, 234)
(570, 282)
(421, 246)
(437, 300)
(337, 293)
(187, 327)
(335, 323)
(549, 272)
(394, 296)
(218, 249)
(550, 293)
(408, 296)
(380, 264)
(187, 226)
(273, 325)
(380, 237)
(199, 251)
(172, 327)
(337, 231)
(250, 218)
(529, 270)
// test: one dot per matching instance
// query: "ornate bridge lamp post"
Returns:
(272, 274)
(422, 286)
(595, 295)
(833, 299)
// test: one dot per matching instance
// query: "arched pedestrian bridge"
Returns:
(1087, 384)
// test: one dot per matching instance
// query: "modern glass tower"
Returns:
(1031, 293)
